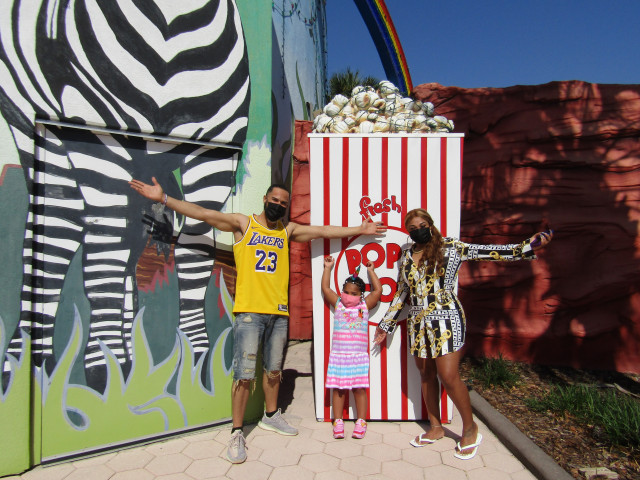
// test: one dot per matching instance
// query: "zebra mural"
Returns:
(176, 69)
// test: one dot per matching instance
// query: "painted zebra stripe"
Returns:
(66, 212)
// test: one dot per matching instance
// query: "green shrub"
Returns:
(496, 372)
(618, 415)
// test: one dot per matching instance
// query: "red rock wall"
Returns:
(300, 287)
(567, 155)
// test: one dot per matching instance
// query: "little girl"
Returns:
(349, 358)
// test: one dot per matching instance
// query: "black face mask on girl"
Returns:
(421, 235)
(273, 211)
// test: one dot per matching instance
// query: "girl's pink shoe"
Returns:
(338, 428)
(360, 429)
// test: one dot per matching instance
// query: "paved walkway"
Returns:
(384, 453)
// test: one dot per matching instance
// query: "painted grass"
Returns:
(155, 399)
(15, 411)
(76, 418)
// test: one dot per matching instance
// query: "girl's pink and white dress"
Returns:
(349, 358)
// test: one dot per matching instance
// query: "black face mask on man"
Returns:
(421, 235)
(274, 211)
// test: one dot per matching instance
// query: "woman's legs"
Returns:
(449, 373)
(430, 394)
(360, 395)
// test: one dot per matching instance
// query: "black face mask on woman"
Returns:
(274, 211)
(420, 235)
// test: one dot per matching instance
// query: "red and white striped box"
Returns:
(383, 176)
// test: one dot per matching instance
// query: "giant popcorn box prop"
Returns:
(382, 176)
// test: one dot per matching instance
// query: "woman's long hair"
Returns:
(434, 253)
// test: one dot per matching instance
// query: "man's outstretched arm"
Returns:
(304, 233)
(227, 222)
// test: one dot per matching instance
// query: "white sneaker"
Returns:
(277, 424)
(237, 452)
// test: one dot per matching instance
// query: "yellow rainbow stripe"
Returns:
(393, 36)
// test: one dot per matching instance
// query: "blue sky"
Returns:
(496, 43)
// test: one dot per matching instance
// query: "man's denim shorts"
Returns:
(250, 330)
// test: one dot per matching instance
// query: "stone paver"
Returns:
(371, 438)
(444, 471)
(502, 461)
(313, 424)
(95, 472)
(360, 465)
(201, 436)
(268, 441)
(166, 464)
(280, 457)
(398, 470)
(253, 453)
(291, 472)
(523, 475)
(168, 447)
(383, 427)
(465, 465)
(421, 457)
(252, 470)
(443, 445)
(384, 453)
(308, 446)
(319, 462)
(207, 468)
(325, 435)
(487, 474)
(54, 472)
(343, 449)
(337, 475)
(398, 439)
(413, 428)
(138, 474)
(130, 460)
(203, 449)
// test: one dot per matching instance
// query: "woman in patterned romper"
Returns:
(436, 323)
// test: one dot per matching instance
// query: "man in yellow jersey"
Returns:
(261, 308)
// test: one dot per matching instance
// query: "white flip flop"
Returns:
(474, 445)
(422, 441)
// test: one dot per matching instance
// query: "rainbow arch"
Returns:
(384, 35)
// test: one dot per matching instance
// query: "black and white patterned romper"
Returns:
(436, 322)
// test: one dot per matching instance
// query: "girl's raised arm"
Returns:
(329, 295)
(373, 298)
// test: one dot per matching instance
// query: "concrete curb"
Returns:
(541, 465)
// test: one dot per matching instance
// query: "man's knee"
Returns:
(273, 375)
(242, 385)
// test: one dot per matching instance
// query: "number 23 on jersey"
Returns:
(266, 261)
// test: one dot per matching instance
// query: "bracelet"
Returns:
(165, 199)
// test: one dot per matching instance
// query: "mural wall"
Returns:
(114, 311)
(299, 78)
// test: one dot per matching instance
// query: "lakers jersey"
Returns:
(262, 263)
